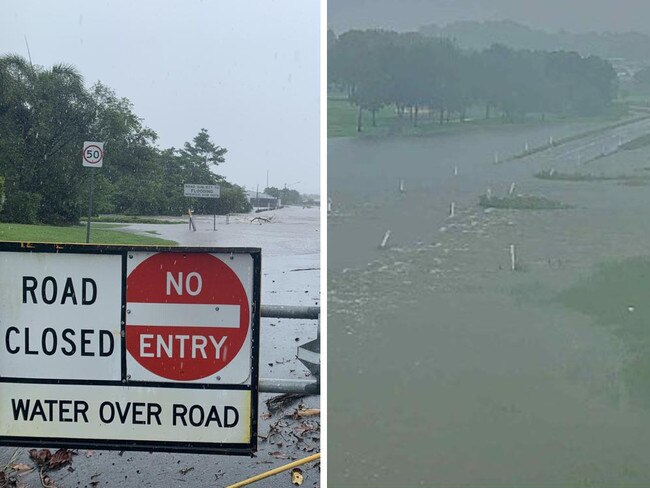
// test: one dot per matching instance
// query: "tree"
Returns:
(286, 195)
(44, 115)
(130, 182)
(204, 151)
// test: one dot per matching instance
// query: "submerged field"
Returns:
(456, 370)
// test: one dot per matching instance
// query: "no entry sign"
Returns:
(188, 317)
(129, 348)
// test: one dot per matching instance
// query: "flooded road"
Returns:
(364, 177)
(453, 370)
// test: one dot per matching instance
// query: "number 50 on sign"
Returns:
(93, 154)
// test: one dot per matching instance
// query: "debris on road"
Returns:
(280, 402)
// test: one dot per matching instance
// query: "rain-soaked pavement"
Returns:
(290, 276)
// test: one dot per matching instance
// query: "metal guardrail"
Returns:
(272, 385)
(290, 312)
(311, 359)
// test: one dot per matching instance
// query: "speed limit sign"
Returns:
(93, 154)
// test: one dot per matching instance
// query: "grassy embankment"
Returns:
(616, 296)
(99, 234)
(342, 120)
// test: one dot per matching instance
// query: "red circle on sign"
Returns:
(95, 160)
(171, 332)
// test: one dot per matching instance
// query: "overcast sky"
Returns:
(246, 70)
(571, 15)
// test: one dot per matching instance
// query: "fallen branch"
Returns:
(262, 219)
(306, 412)
(282, 401)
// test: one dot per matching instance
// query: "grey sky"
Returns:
(571, 15)
(246, 70)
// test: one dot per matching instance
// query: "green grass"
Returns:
(638, 143)
(624, 179)
(77, 234)
(102, 225)
(616, 297)
(521, 202)
(559, 176)
(342, 122)
(342, 119)
(132, 219)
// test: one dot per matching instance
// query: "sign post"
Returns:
(92, 157)
(114, 347)
(204, 191)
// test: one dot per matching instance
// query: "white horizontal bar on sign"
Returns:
(183, 314)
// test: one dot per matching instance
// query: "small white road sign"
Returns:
(202, 191)
(93, 154)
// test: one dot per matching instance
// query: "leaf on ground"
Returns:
(41, 456)
(304, 428)
(47, 482)
(60, 458)
(21, 467)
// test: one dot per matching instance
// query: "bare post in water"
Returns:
(384, 241)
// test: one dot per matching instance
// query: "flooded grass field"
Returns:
(451, 368)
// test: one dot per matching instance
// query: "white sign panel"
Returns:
(128, 348)
(124, 413)
(201, 191)
(93, 154)
(60, 316)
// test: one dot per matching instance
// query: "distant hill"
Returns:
(632, 46)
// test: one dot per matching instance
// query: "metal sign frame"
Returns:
(124, 382)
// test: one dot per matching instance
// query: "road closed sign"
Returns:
(129, 348)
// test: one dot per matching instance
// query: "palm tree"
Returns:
(44, 115)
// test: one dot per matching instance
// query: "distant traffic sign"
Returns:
(93, 154)
(201, 191)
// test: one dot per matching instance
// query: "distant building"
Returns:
(263, 200)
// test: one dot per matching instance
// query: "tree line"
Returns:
(46, 114)
(415, 74)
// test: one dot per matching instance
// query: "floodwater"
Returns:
(449, 369)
